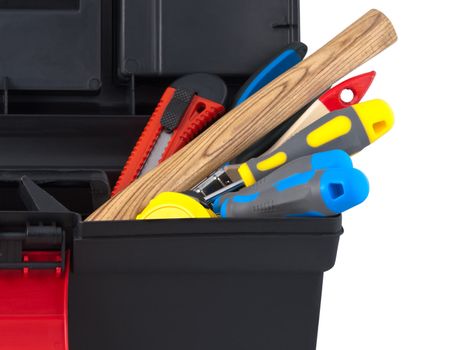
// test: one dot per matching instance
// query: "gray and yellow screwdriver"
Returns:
(350, 129)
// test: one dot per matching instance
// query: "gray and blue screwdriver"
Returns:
(313, 193)
(317, 161)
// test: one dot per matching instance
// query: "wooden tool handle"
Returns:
(314, 113)
(256, 117)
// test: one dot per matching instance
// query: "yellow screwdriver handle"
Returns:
(350, 129)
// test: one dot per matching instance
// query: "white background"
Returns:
(404, 273)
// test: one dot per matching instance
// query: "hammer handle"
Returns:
(256, 117)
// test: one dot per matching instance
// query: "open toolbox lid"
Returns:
(67, 100)
(70, 100)
(169, 38)
(78, 56)
(36, 39)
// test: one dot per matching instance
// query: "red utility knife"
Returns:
(186, 108)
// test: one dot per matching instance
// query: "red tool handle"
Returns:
(358, 85)
(144, 145)
(200, 113)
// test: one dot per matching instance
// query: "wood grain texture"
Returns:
(253, 119)
(314, 113)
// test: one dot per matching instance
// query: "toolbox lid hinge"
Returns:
(36, 247)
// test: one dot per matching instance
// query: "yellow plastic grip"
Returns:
(376, 116)
(246, 175)
(173, 205)
(330, 131)
(272, 162)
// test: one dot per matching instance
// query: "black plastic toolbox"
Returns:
(171, 285)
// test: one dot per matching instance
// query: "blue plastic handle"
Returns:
(316, 193)
(317, 161)
(291, 56)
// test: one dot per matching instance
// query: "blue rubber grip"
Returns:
(279, 65)
(343, 189)
(317, 161)
(316, 193)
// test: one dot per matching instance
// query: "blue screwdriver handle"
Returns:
(316, 193)
(317, 161)
(288, 58)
